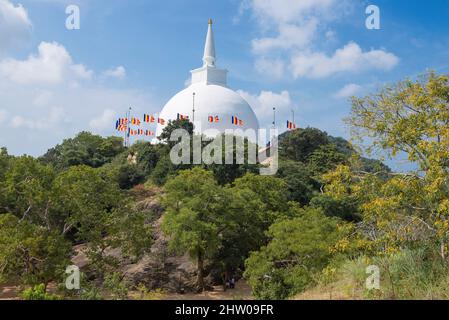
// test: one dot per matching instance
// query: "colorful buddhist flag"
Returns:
(213, 119)
(148, 118)
(121, 122)
(291, 125)
(182, 117)
(121, 128)
(238, 122)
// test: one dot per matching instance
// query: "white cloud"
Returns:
(46, 99)
(290, 36)
(119, 73)
(272, 68)
(53, 117)
(288, 10)
(105, 120)
(347, 91)
(264, 102)
(42, 98)
(52, 66)
(15, 25)
(350, 58)
(302, 26)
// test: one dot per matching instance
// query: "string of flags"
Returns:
(135, 121)
(182, 117)
(148, 118)
(291, 125)
(141, 132)
(236, 121)
(213, 119)
(125, 124)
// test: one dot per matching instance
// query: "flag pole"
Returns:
(293, 114)
(129, 127)
(126, 129)
(193, 110)
(274, 117)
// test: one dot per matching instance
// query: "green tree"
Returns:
(228, 172)
(195, 216)
(412, 118)
(300, 181)
(84, 149)
(255, 203)
(93, 209)
(174, 125)
(299, 144)
(31, 254)
(326, 158)
(298, 249)
(130, 175)
(26, 188)
(163, 170)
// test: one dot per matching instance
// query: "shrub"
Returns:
(38, 293)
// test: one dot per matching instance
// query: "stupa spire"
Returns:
(209, 48)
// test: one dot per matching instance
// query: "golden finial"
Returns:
(210, 21)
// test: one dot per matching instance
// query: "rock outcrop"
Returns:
(159, 268)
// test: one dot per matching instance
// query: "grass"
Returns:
(411, 274)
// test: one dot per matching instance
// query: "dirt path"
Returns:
(242, 291)
(8, 292)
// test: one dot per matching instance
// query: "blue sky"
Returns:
(306, 55)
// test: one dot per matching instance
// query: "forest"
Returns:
(311, 230)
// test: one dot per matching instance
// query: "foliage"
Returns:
(129, 175)
(195, 215)
(84, 149)
(174, 125)
(343, 208)
(95, 209)
(226, 173)
(29, 253)
(299, 144)
(255, 203)
(299, 247)
(38, 292)
(409, 274)
(299, 179)
(410, 117)
(163, 170)
(26, 188)
(116, 286)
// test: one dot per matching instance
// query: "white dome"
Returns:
(210, 101)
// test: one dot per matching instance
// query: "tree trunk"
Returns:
(200, 279)
(442, 250)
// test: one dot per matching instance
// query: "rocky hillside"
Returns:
(158, 269)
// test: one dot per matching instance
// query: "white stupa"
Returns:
(210, 97)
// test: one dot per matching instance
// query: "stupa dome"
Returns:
(208, 101)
